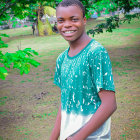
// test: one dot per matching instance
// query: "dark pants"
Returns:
(33, 31)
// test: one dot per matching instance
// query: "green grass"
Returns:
(32, 118)
(18, 31)
(3, 100)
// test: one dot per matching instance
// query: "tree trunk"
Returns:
(9, 24)
(44, 28)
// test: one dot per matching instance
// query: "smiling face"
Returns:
(70, 22)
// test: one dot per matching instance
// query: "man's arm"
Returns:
(107, 107)
(56, 130)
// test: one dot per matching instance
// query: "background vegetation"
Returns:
(37, 9)
(29, 103)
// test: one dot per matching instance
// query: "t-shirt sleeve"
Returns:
(102, 71)
(57, 76)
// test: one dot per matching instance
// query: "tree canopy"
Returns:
(108, 6)
(22, 59)
(22, 9)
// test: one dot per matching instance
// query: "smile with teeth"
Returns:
(68, 32)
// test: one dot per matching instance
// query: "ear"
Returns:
(85, 20)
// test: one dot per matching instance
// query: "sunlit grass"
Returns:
(18, 31)
(36, 116)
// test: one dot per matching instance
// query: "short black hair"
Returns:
(66, 3)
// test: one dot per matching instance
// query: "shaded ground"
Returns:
(29, 103)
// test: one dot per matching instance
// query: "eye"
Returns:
(60, 20)
(75, 19)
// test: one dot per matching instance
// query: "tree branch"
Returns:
(8, 5)
(112, 3)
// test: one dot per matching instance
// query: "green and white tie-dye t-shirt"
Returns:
(81, 78)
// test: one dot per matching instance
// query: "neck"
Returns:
(80, 42)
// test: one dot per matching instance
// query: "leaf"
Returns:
(3, 45)
(3, 73)
(35, 53)
(17, 65)
(1, 54)
(1, 42)
(7, 65)
(27, 50)
(34, 63)
(21, 72)
(4, 35)
(26, 68)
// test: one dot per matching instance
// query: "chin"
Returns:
(71, 39)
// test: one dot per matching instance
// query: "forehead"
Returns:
(69, 11)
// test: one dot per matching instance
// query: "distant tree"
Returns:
(36, 8)
(43, 25)
(107, 7)
(21, 59)
(9, 10)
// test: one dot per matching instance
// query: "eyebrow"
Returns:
(63, 18)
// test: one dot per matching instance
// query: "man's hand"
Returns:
(107, 107)
(73, 138)
(69, 138)
(56, 130)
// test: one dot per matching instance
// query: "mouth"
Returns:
(69, 33)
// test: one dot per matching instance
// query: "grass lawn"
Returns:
(29, 103)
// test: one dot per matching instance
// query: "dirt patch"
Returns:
(29, 103)
(34, 98)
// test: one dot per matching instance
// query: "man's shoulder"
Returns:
(95, 48)
(62, 56)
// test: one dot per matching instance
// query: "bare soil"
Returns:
(29, 103)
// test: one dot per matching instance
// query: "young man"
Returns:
(84, 74)
(33, 27)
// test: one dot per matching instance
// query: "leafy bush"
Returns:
(21, 59)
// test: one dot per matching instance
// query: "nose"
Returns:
(67, 24)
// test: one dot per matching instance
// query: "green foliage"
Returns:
(10, 10)
(3, 100)
(3, 73)
(57, 2)
(20, 9)
(2, 44)
(21, 59)
(111, 23)
(1, 138)
(129, 17)
(107, 6)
